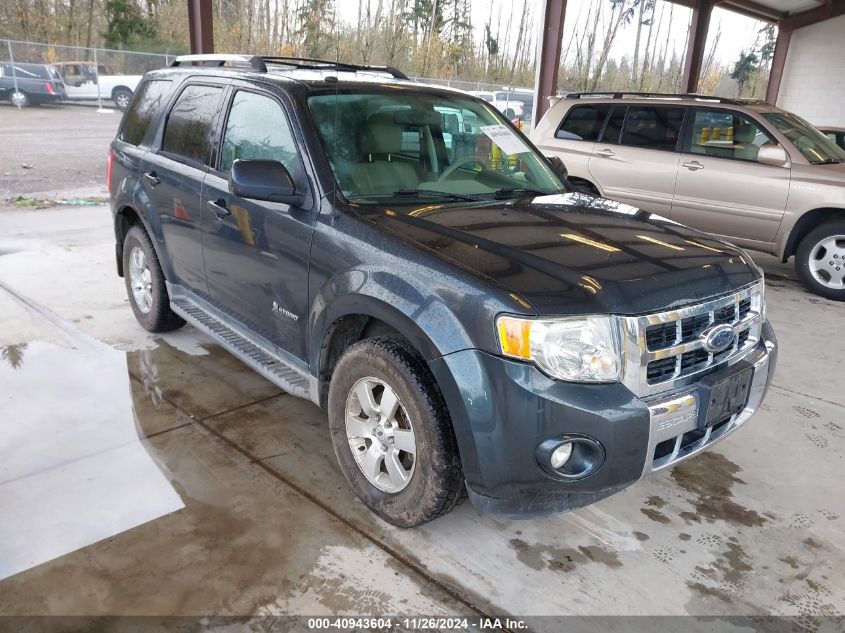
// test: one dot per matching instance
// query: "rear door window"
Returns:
(583, 122)
(147, 104)
(190, 123)
(613, 129)
(652, 127)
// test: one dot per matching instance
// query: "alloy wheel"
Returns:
(827, 262)
(380, 435)
(140, 280)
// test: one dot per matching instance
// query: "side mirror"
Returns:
(771, 154)
(263, 180)
(559, 167)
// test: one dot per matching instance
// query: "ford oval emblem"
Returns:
(717, 338)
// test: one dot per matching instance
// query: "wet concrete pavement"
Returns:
(158, 475)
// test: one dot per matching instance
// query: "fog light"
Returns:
(561, 455)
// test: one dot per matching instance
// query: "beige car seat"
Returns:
(382, 170)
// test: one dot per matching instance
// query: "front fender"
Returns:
(417, 311)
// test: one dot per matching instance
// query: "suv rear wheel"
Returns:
(145, 284)
(820, 261)
(392, 434)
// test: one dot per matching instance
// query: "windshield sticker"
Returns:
(504, 137)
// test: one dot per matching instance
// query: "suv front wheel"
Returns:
(820, 261)
(392, 434)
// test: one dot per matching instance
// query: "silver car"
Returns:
(746, 171)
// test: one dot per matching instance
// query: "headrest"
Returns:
(380, 135)
(745, 133)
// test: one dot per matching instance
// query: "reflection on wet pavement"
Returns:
(73, 467)
(116, 499)
(264, 522)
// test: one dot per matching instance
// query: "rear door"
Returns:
(721, 188)
(256, 252)
(636, 159)
(132, 140)
(172, 177)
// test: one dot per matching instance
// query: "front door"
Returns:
(256, 253)
(636, 160)
(172, 178)
(721, 187)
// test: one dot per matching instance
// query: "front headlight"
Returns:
(580, 349)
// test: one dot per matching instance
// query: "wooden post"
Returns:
(695, 45)
(200, 26)
(778, 62)
(548, 56)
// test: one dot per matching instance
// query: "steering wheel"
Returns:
(466, 160)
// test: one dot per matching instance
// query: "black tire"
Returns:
(805, 252)
(509, 114)
(159, 317)
(584, 186)
(122, 97)
(436, 485)
(20, 99)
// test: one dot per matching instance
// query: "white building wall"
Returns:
(813, 84)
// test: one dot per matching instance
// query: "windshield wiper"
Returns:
(434, 192)
(829, 161)
(506, 192)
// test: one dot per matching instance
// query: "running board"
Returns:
(245, 347)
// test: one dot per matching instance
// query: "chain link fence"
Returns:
(105, 76)
(31, 72)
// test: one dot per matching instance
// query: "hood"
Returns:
(573, 253)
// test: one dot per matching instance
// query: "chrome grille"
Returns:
(664, 351)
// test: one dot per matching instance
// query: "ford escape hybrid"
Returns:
(402, 256)
(742, 170)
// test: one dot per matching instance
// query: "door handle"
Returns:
(693, 166)
(605, 152)
(151, 178)
(220, 209)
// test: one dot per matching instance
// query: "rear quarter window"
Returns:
(583, 122)
(143, 109)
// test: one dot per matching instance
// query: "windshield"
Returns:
(814, 145)
(411, 145)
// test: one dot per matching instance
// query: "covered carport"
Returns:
(808, 53)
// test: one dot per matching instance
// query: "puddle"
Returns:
(709, 479)
(73, 469)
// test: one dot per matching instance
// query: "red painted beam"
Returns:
(778, 62)
(200, 26)
(814, 16)
(699, 26)
(548, 56)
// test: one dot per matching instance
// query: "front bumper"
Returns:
(503, 410)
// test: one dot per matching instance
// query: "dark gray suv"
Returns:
(404, 257)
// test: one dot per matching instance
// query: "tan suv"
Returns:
(750, 173)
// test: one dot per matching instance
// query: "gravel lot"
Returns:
(51, 149)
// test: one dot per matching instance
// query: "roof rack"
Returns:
(221, 59)
(259, 63)
(311, 63)
(664, 95)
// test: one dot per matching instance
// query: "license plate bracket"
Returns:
(724, 393)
